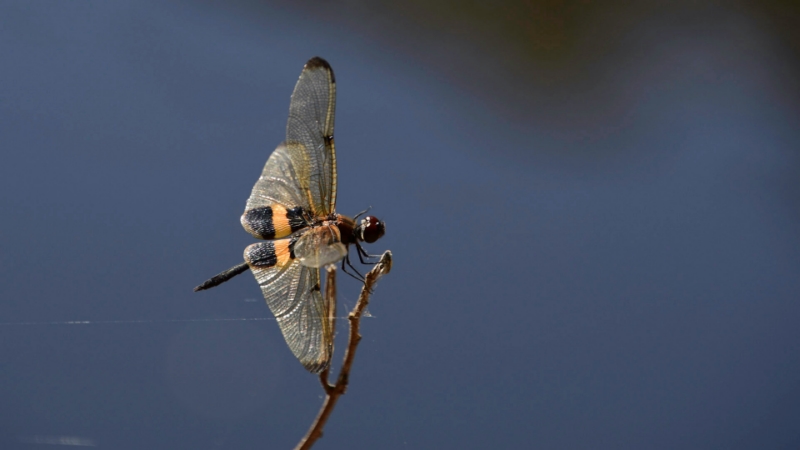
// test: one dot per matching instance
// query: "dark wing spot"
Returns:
(319, 63)
(293, 241)
(296, 218)
(261, 254)
(258, 221)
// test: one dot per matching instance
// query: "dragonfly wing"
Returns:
(309, 132)
(278, 204)
(292, 292)
(301, 172)
(280, 181)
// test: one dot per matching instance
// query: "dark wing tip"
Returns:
(319, 63)
(316, 366)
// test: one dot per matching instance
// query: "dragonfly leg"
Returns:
(363, 254)
(347, 260)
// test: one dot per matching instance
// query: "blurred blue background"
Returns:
(593, 211)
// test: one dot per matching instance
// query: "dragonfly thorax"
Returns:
(368, 230)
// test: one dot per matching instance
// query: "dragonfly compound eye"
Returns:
(371, 229)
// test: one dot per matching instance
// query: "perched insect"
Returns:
(293, 208)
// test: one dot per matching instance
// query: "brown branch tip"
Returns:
(334, 391)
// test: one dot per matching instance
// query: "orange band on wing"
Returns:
(280, 220)
(282, 252)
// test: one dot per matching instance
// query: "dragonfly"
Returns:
(292, 208)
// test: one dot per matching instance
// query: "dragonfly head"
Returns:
(370, 229)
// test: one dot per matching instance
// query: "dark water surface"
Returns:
(607, 259)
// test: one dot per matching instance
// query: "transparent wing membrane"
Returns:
(309, 132)
(302, 170)
(280, 181)
(293, 295)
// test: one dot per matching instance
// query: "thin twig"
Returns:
(333, 392)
